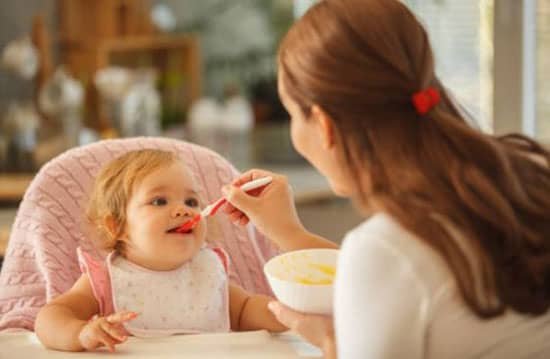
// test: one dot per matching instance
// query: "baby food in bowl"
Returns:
(303, 280)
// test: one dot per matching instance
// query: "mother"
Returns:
(453, 259)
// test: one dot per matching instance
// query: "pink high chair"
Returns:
(41, 260)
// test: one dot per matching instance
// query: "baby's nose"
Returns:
(181, 210)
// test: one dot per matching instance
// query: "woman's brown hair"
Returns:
(482, 202)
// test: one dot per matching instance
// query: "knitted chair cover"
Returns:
(41, 260)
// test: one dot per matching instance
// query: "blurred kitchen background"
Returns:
(76, 71)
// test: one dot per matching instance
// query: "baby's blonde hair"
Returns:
(113, 188)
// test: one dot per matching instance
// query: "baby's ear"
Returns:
(111, 226)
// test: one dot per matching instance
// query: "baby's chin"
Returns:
(167, 258)
(177, 261)
(188, 251)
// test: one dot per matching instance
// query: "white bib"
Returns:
(193, 298)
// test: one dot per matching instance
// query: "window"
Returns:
(461, 36)
(543, 71)
(494, 55)
(301, 6)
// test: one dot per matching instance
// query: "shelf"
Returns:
(137, 43)
(13, 186)
(4, 234)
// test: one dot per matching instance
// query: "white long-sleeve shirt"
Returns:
(396, 298)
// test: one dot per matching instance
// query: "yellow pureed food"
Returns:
(330, 271)
(303, 270)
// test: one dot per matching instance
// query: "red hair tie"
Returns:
(425, 100)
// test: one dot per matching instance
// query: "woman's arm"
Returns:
(303, 239)
(59, 322)
(329, 348)
(249, 312)
(272, 211)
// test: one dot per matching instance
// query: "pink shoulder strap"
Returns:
(223, 257)
(98, 275)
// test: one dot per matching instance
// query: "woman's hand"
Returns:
(270, 208)
(105, 331)
(316, 329)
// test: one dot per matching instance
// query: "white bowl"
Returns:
(303, 280)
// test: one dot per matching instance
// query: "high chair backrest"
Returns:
(41, 260)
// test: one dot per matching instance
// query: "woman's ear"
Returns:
(325, 125)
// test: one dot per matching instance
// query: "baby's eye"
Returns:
(192, 202)
(159, 201)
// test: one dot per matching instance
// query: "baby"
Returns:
(155, 281)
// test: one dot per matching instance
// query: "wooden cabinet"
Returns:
(99, 33)
(103, 19)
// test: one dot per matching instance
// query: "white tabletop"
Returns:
(252, 345)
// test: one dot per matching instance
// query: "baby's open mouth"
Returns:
(178, 230)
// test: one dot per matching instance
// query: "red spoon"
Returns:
(213, 208)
